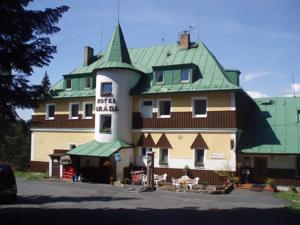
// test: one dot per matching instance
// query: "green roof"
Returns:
(212, 76)
(273, 127)
(98, 149)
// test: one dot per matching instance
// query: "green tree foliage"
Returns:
(24, 44)
(15, 145)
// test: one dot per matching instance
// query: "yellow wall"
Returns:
(45, 142)
(182, 102)
(62, 105)
(181, 144)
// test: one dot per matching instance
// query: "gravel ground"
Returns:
(59, 202)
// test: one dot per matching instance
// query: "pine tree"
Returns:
(24, 44)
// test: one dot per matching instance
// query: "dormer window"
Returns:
(159, 77)
(106, 89)
(68, 84)
(185, 75)
(87, 83)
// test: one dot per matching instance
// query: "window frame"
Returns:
(158, 107)
(189, 75)
(47, 111)
(84, 110)
(141, 106)
(198, 163)
(193, 107)
(160, 155)
(156, 75)
(100, 124)
(70, 110)
(84, 83)
(103, 94)
(70, 88)
(147, 151)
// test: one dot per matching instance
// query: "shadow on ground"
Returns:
(44, 199)
(182, 216)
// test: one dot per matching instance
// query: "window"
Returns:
(199, 157)
(159, 77)
(200, 107)
(88, 110)
(164, 108)
(105, 123)
(163, 156)
(185, 75)
(147, 109)
(106, 89)
(68, 84)
(72, 146)
(74, 111)
(87, 82)
(50, 111)
(145, 151)
(298, 166)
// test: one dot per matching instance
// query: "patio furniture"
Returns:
(175, 183)
(193, 183)
(160, 178)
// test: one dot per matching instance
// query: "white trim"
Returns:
(70, 110)
(189, 77)
(141, 105)
(83, 130)
(193, 108)
(87, 88)
(67, 89)
(32, 147)
(188, 130)
(232, 102)
(83, 110)
(158, 108)
(50, 166)
(194, 158)
(47, 111)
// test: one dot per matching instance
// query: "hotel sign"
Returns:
(107, 105)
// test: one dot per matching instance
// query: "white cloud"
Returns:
(254, 75)
(294, 88)
(256, 94)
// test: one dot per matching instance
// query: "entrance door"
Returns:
(55, 167)
(260, 168)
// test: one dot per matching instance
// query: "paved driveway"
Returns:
(58, 202)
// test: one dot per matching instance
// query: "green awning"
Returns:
(98, 149)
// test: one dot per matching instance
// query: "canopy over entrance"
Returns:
(98, 149)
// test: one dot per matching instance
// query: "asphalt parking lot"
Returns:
(59, 202)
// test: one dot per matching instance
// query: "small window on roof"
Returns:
(68, 84)
(185, 75)
(87, 82)
(159, 77)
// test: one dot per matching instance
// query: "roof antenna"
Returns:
(293, 85)
(118, 10)
(197, 26)
(101, 34)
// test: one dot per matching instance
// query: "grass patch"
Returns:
(292, 197)
(31, 175)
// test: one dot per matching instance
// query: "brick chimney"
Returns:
(184, 42)
(88, 55)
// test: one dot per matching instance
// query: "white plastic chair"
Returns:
(175, 183)
(193, 183)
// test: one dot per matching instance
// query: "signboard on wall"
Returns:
(217, 156)
(107, 105)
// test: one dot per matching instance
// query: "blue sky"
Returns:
(261, 38)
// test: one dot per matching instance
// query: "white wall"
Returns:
(122, 82)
